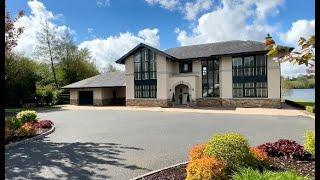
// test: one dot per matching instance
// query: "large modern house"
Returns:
(223, 74)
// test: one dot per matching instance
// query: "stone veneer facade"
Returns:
(216, 102)
(209, 102)
(149, 102)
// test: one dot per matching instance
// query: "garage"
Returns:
(106, 89)
(85, 97)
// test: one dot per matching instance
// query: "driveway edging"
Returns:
(158, 170)
(29, 140)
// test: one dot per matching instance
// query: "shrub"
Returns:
(206, 168)
(27, 115)
(251, 174)
(310, 109)
(8, 133)
(26, 130)
(46, 123)
(232, 148)
(13, 123)
(309, 142)
(197, 151)
(258, 154)
(259, 159)
(284, 147)
(47, 95)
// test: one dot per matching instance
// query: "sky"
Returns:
(110, 28)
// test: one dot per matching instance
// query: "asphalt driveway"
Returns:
(110, 144)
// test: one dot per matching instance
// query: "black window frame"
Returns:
(182, 64)
(145, 86)
(205, 80)
(243, 79)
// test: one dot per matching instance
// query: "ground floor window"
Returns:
(251, 89)
(145, 91)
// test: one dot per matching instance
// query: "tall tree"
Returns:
(12, 33)
(74, 64)
(47, 47)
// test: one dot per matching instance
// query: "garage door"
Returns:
(85, 98)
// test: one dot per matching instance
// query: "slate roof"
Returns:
(109, 79)
(218, 48)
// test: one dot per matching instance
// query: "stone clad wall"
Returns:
(209, 102)
(216, 102)
(149, 102)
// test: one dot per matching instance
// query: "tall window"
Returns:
(210, 78)
(250, 76)
(145, 74)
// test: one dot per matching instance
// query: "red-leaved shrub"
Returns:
(46, 124)
(284, 147)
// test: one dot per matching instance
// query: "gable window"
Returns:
(145, 74)
(210, 78)
(249, 76)
(185, 67)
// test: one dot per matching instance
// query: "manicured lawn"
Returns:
(309, 106)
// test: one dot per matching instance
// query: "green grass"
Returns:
(305, 103)
(251, 174)
(308, 106)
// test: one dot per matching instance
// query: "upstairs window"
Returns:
(185, 67)
(145, 74)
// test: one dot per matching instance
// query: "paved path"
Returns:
(285, 111)
(113, 144)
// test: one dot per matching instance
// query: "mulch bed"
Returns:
(280, 163)
(302, 167)
(16, 139)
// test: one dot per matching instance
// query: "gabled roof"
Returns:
(139, 47)
(235, 47)
(109, 79)
(217, 49)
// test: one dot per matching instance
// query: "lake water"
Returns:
(300, 94)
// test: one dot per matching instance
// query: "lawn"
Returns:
(308, 106)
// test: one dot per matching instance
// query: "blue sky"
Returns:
(98, 24)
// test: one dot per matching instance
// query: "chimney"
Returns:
(268, 40)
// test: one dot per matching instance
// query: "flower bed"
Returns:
(228, 156)
(25, 125)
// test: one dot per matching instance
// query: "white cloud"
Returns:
(106, 51)
(231, 21)
(192, 10)
(27, 42)
(103, 3)
(90, 30)
(292, 70)
(167, 4)
(301, 28)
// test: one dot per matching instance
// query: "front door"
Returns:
(181, 92)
